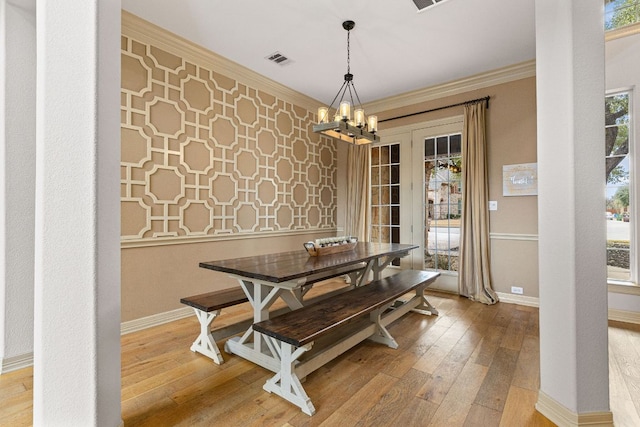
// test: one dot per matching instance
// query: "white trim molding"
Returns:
(624, 316)
(513, 236)
(630, 289)
(562, 416)
(625, 31)
(182, 240)
(614, 314)
(154, 320)
(492, 78)
(14, 363)
(518, 299)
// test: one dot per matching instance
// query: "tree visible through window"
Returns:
(617, 189)
(619, 13)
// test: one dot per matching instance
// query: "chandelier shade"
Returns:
(338, 122)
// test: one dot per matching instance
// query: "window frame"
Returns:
(394, 182)
(631, 286)
(437, 158)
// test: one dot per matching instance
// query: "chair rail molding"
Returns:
(513, 236)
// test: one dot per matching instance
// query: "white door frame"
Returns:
(411, 139)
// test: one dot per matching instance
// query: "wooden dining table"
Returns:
(287, 276)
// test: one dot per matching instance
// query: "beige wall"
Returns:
(215, 163)
(154, 278)
(514, 226)
(511, 134)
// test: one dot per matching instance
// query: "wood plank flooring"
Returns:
(473, 365)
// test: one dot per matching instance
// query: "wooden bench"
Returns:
(345, 320)
(208, 306)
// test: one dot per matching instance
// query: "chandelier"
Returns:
(358, 129)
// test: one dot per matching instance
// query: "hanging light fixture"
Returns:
(339, 123)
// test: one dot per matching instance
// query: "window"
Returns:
(385, 194)
(620, 13)
(443, 197)
(618, 194)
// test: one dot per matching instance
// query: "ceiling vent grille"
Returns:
(424, 4)
(278, 58)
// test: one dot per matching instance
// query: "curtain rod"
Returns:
(473, 101)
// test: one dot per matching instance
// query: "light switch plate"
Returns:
(493, 205)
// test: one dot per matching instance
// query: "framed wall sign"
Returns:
(520, 180)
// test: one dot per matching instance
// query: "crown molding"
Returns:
(480, 81)
(144, 31)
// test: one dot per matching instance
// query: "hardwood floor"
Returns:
(624, 373)
(473, 365)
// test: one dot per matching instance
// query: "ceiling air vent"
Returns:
(278, 58)
(424, 4)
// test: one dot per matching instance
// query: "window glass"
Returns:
(385, 194)
(443, 196)
(618, 194)
(620, 13)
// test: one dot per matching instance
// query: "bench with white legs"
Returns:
(207, 307)
(344, 320)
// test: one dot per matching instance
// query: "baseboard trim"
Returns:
(15, 363)
(614, 314)
(562, 416)
(518, 299)
(154, 320)
(624, 316)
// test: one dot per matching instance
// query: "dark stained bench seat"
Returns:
(368, 309)
(216, 300)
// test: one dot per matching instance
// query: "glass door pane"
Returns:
(385, 194)
(442, 201)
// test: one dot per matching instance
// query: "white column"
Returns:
(17, 181)
(77, 250)
(574, 386)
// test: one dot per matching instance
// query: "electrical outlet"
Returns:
(516, 290)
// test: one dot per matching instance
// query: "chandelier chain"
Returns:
(348, 52)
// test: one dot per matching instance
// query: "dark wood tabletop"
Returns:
(284, 266)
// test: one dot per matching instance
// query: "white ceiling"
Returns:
(394, 48)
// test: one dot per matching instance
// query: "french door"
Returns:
(428, 205)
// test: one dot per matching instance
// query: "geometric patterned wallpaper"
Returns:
(203, 155)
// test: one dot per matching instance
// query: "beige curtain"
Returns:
(358, 200)
(474, 278)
